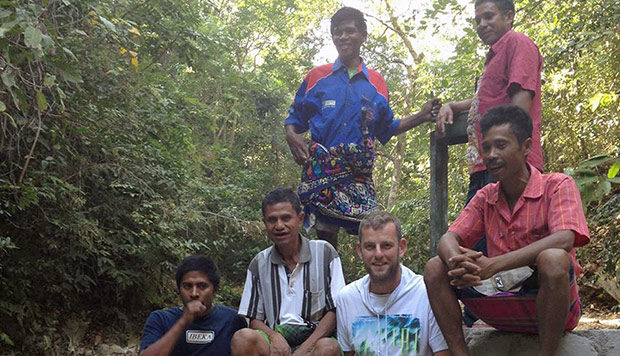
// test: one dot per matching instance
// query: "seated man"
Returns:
(199, 327)
(387, 311)
(529, 219)
(290, 288)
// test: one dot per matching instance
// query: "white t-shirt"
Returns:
(402, 325)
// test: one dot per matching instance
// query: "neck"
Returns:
(352, 62)
(290, 252)
(385, 287)
(514, 186)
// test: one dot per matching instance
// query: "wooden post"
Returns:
(439, 190)
(455, 134)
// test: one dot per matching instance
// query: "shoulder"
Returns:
(518, 39)
(323, 247)
(169, 315)
(553, 180)
(317, 73)
(378, 82)
(351, 290)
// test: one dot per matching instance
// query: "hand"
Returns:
(445, 116)
(430, 109)
(298, 146)
(279, 346)
(303, 350)
(193, 310)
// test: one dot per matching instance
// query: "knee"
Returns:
(245, 342)
(327, 346)
(435, 271)
(553, 263)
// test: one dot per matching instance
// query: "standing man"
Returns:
(199, 327)
(290, 288)
(529, 219)
(386, 312)
(345, 107)
(511, 76)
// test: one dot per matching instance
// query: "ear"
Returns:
(402, 246)
(509, 17)
(358, 248)
(527, 145)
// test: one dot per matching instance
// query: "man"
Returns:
(387, 311)
(199, 327)
(511, 76)
(289, 289)
(529, 219)
(345, 107)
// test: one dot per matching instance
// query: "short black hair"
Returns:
(503, 5)
(519, 120)
(347, 14)
(282, 195)
(377, 219)
(202, 264)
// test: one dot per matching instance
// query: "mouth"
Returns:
(495, 168)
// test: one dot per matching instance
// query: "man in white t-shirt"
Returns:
(387, 311)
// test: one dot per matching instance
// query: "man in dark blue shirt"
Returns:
(199, 327)
(345, 107)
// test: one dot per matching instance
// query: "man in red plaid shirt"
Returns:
(529, 219)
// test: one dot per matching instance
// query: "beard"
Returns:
(388, 275)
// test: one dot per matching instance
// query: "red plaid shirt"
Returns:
(549, 203)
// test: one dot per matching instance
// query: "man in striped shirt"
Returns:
(290, 288)
(529, 219)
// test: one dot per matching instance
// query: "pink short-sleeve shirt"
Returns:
(513, 59)
(549, 203)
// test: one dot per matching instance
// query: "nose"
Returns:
(194, 294)
(279, 224)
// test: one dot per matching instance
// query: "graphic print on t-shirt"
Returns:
(374, 335)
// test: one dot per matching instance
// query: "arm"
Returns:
(442, 353)
(520, 97)
(429, 110)
(165, 344)
(525, 256)
(349, 353)
(278, 346)
(446, 114)
(462, 263)
(297, 144)
(325, 327)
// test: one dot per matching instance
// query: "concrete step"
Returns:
(490, 342)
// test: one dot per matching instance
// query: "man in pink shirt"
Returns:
(529, 219)
(511, 76)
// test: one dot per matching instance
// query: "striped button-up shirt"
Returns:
(300, 296)
(549, 203)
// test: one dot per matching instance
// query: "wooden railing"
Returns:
(455, 135)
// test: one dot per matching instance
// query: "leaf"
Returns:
(596, 161)
(2, 107)
(134, 61)
(33, 37)
(8, 79)
(110, 26)
(41, 101)
(68, 51)
(135, 31)
(613, 170)
(70, 76)
(8, 26)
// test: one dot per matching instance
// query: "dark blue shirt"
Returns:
(329, 104)
(209, 335)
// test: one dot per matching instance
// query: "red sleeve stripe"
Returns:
(316, 74)
(379, 83)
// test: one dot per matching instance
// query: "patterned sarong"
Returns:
(516, 312)
(337, 182)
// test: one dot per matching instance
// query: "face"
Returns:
(491, 24)
(196, 285)
(282, 223)
(348, 40)
(502, 153)
(381, 252)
